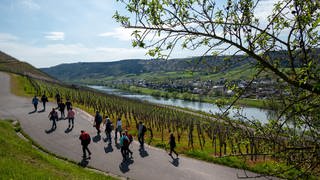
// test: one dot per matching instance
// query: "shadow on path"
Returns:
(97, 138)
(118, 146)
(68, 129)
(108, 148)
(50, 130)
(175, 161)
(143, 153)
(31, 112)
(124, 165)
(84, 162)
(43, 110)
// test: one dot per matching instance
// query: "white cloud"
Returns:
(120, 33)
(124, 34)
(59, 53)
(264, 9)
(7, 37)
(55, 36)
(30, 4)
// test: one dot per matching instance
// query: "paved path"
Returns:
(152, 163)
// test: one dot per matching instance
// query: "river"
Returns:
(249, 112)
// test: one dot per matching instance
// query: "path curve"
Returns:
(152, 164)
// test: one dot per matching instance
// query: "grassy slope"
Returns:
(19, 160)
(11, 64)
(51, 167)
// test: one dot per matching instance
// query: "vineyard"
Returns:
(195, 133)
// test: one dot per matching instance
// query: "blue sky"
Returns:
(49, 32)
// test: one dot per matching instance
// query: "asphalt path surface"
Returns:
(150, 163)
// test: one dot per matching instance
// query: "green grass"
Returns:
(21, 86)
(19, 160)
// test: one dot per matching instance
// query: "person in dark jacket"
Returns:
(58, 98)
(68, 104)
(98, 121)
(44, 100)
(62, 107)
(141, 131)
(108, 129)
(124, 143)
(172, 143)
(53, 116)
(85, 141)
(35, 101)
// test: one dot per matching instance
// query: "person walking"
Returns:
(130, 138)
(124, 143)
(61, 107)
(70, 117)
(85, 141)
(68, 104)
(108, 129)
(53, 116)
(35, 102)
(44, 100)
(118, 129)
(141, 131)
(172, 143)
(58, 98)
(97, 121)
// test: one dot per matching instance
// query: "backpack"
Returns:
(144, 129)
(109, 127)
(125, 141)
(98, 119)
(87, 138)
(130, 138)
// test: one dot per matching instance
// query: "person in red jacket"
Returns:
(85, 141)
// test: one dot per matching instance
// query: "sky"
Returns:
(46, 33)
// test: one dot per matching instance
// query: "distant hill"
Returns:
(97, 70)
(11, 64)
(213, 64)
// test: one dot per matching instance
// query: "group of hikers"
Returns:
(125, 139)
(61, 106)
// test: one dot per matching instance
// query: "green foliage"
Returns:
(292, 28)
(19, 160)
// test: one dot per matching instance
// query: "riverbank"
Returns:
(257, 103)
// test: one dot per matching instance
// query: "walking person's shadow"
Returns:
(50, 130)
(68, 129)
(109, 148)
(124, 165)
(143, 153)
(175, 161)
(118, 146)
(97, 138)
(31, 112)
(84, 162)
(43, 110)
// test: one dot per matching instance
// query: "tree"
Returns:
(284, 45)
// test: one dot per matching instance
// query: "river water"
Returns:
(249, 112)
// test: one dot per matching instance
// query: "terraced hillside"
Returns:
(11, 64)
